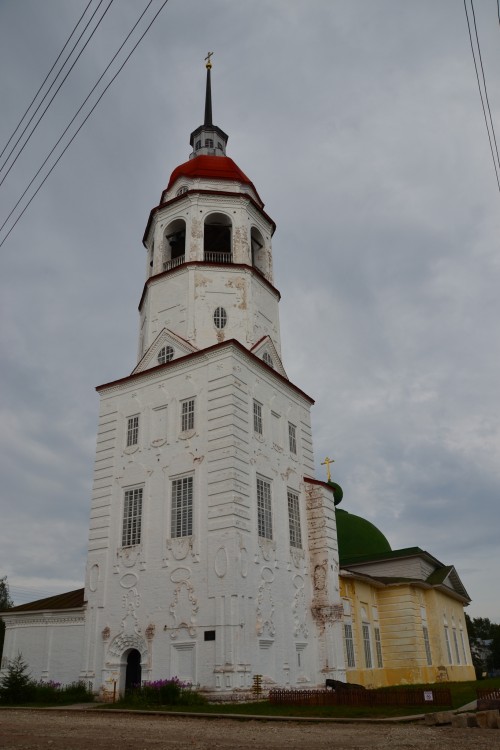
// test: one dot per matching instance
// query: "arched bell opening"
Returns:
(174, 244)
(133, 669)
(217, 239)
(258, 250)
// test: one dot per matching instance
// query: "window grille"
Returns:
(220, 318)
(182, 190)
(165, 355)
(378, 648)
(268, 359)
(292, 438)
(349, 645)
(427, 644)
(132, 517)
(209, 143)
(132, 431)
(367, 646)
(264, 517)
(257, 418)
(182, 507)
(448, 647)
(455, 643)
(187, 415)
(294, 519)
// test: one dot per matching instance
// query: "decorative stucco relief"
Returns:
(265, 605)
(183, 609)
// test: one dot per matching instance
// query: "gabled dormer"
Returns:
(166, 347)
(267, 352)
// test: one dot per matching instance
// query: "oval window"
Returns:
(220, 318)
(165, 355)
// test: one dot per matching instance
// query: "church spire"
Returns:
(208, 139)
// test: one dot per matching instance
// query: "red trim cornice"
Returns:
(200, 354)
(206, 263)
(176, 198)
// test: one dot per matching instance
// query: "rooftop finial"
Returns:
(208, 95)
(208, 62)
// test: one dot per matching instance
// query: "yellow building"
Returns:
(404, 617)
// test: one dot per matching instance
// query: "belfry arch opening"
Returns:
(174, 244)
(217, 239)
(258, 250)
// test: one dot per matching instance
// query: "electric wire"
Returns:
(84, 121)
(56, 92)
(78, 111)
(481, 95)
(45, 80)
(484, 81)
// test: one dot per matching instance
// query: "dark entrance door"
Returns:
(133, 673)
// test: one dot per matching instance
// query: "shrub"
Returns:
(171, 692)
(16, 685)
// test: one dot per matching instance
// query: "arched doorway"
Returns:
(133, 670)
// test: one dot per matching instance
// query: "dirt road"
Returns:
(84, 730)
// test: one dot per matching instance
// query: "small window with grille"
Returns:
(187, 415)
(166, 354)
(268, 359)
(209, 143)
(182, 190)
(294, 519)
(132, 431)
(132, 517)
(220, 318)
(264, 516)
(349, 645)
(292, 438)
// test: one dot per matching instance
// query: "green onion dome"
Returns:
(357, 537)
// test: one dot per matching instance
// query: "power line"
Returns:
(84, 121)
(481, 95)
(56, 92)
(78, 111)
(44, 80)
(484, 80)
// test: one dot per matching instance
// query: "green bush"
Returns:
(16, 685)
(171, 692)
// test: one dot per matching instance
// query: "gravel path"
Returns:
(86, 730)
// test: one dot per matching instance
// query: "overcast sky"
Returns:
(360, 123)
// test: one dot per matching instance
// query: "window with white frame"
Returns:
(264, 516)
(349, 646)
(187, 415)
(463, 645)
(427, 644)
(294, 519)
(367, 647)
(257, 418)
(292, 438)
(378, 647)
(182, 507)
(132, 517)
(448, 647)
(166, 354)
(132, 431)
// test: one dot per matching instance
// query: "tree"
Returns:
(16, 685)
(5, 603)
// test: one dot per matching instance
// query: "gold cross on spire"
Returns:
(208, 60)
(327, 463)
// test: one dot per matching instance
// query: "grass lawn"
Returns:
(461, 692)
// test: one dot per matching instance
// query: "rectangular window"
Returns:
(292, 438)
(448, 647)
(367, 646)
(427, 644)
(378, 648)
(455, 643)
(182, 507)
(349, 646)
(294, 519)
(257, 418)
(264, 517)
(187, 415)
(132, 517)
(463, 645)
(132, 431)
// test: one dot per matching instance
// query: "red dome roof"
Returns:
(212, 168)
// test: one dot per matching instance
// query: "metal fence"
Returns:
(393, 697)
(488, 698)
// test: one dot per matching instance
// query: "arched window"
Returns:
(258, 255)
(182, 190)
(197, 145)
(220, 318)
(165, 355)
(174, 244)
(217, 239)
(209, 143)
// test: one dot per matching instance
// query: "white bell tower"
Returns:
(212, 549)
